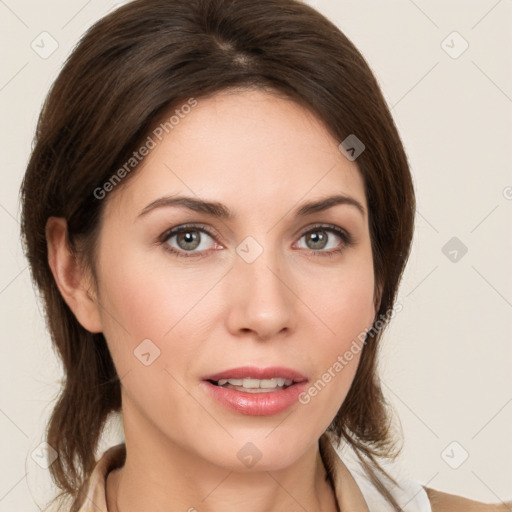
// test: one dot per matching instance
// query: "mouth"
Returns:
(256, 391)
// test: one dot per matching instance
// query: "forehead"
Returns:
(250, 150)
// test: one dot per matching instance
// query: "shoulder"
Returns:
(444, 502)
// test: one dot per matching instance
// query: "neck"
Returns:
(163, 476)
(269, 492)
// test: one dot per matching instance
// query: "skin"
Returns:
(262, 156)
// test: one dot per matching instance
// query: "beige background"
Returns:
(446, 360)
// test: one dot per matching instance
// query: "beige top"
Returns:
(349, 495)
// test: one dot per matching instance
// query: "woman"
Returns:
(218, 211)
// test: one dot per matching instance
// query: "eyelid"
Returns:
(339, 230)
(183, 227)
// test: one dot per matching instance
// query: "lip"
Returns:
(253, 372)
(256, 404)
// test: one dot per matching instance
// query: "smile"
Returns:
(265, 392)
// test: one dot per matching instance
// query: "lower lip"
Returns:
(256, 404)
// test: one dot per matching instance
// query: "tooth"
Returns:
(270, 383)
(249, 383)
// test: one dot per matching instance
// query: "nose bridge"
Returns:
(260, 299)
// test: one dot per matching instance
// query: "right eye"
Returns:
(188, 238)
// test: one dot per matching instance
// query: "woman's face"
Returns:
(266, 287)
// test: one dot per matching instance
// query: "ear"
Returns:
(74, 286)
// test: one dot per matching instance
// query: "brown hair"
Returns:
(128, 70)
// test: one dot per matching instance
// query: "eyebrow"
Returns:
(221, 211)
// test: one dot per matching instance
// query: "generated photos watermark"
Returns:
(344, 359)
(150, 143)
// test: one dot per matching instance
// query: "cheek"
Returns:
(144, 309)
(132, 298)
(141, 296)
(345, 310)
(343, 301)
(145, 297)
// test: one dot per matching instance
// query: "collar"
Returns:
(348, 495)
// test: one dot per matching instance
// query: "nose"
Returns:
(259, 297)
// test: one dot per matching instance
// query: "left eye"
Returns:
(318, 237)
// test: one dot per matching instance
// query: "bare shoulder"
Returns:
(444, 502)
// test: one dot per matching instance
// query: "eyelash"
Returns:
(347, 239)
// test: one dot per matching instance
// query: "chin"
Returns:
(263, 450)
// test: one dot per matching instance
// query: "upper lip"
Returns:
(252, 372)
